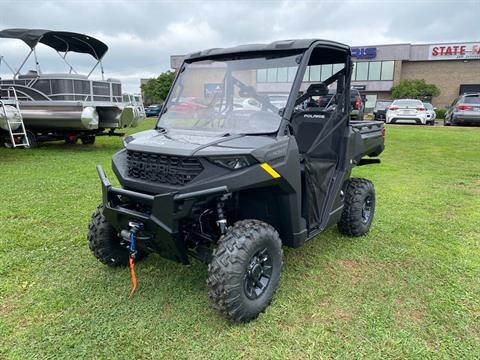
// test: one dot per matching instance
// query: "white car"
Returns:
(246, 104)
(407, 111)
(431, 114)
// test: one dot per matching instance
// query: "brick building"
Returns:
(453, 67)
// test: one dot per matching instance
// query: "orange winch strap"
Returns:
(131, 262)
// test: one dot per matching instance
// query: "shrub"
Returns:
(414, 89)
(440, 113)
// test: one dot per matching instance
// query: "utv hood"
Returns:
(189, 142)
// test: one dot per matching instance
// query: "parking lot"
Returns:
(407, 289)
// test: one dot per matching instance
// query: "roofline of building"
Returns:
(417, 44)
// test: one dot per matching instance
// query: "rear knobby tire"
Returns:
(245, 270)
(105, 243)
(359, 207)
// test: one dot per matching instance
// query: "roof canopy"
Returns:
(276, 46)
(59, 40)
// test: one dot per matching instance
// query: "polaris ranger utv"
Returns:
(242, 160)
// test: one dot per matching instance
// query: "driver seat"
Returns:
(307, 124)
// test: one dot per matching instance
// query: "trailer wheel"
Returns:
(245, 270)
(359, 207)
(105, 243)
(88, 139)
(32, 140)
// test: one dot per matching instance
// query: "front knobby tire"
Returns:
(245, 270)
(359, 207)
(105, 243)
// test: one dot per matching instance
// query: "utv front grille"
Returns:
(162, 169)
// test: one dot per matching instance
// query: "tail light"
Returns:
(357, 104)
(383, 131)
(464, 107)
(420, 109)
(393, 108)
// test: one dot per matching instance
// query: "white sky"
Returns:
(143, 34)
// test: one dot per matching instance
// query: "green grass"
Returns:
(409, 289)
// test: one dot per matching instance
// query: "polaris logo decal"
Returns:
(314, 116)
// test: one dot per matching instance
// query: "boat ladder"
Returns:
(19, 133)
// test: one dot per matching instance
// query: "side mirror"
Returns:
(434, 109)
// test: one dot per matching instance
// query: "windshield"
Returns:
(242, 96)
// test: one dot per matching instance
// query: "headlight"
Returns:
(233, 162)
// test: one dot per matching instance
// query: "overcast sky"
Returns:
(142, 35)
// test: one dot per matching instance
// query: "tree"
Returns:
(156, 89)
(414, 89)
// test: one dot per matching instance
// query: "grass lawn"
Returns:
(409, 289)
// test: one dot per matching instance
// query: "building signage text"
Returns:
(364, 53)
(454, 51)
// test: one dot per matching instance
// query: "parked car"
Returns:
(407, 111)
(153, 110)
(356, 100)
(380, 109)
(431, 114)
(358, 105)
(233, 186)
(464, 110)
(278, 100)
(246, 104)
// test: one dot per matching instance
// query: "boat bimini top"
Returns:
(61, 41)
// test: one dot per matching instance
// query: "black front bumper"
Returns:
(159, 214)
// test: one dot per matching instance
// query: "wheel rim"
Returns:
(258, 274)
(367, 209)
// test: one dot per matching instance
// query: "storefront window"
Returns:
(337, 67)
(291, 73)
(326, 71)
(315, 73)
(374, 70)
(282, 74)
(370, 103)
(262, 75)
(307, 74)
(387, 70)
(272, 75)
(362, 71)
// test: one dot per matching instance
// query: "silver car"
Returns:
(465, 110)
